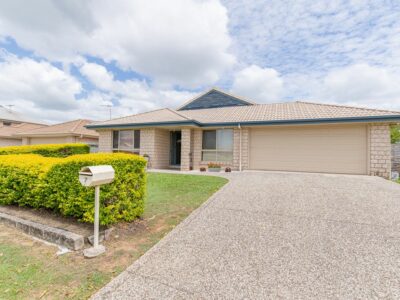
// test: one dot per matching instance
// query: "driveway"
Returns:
(277, 235)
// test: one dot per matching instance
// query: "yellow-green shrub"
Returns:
(48, 150)
(35, 181)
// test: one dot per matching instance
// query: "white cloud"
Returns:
(361, 84)
(177, 42)
(133, 95)
(259, 84)
(38, 82)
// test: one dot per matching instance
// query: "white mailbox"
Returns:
(96, 175)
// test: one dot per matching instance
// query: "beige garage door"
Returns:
(328, 149)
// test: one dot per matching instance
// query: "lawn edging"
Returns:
(47, 233)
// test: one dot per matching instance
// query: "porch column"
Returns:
(186, 149)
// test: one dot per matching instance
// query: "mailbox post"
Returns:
(96, 176)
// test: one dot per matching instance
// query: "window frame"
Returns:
(136, 137)
(218, 151)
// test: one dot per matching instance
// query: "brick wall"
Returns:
(105, 141)
(196, 146)
(380, 150)
(161, 149)
(10, 142)
(236, 148)
(186, 150)
(155, 143)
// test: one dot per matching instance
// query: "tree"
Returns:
(395, 134)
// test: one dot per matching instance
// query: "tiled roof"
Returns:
(76, 127)
(155, 116)
(9, 131)
(289, 111)
(282, 111)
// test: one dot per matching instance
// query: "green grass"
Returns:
(30, 269)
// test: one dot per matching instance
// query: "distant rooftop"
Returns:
(75, 127)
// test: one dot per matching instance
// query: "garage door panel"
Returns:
(330, 149)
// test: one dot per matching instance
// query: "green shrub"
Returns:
(49, 150)
(36, 181)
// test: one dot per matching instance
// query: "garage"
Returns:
(326, 149)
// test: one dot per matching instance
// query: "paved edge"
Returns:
(103, 293)
(57, 236)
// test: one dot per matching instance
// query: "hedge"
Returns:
(48, 150)
(52, 183)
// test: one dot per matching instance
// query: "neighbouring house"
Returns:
(12, 123)
(225, 129)
(68, 132)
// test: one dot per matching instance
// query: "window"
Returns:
(217, 145)
(126, 141)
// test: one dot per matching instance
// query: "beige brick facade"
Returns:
(196, 146)
(186, 150)
(155, 143)
(379, 150)
(105, 141)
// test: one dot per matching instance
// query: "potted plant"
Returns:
(212, 167)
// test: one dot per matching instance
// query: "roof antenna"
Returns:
(109, 107)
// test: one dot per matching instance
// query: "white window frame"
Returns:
(119, 149)
(217, 149)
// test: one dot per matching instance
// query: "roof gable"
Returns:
(213, 99)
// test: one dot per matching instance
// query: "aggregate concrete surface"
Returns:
(268, 235)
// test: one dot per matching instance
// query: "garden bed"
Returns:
(31, 270)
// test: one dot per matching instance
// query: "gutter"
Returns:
(393, 118)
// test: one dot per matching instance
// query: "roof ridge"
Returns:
(139, 114)
(175, 112)
(347, 106)
(79, 121)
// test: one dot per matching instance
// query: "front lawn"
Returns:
(30, 269)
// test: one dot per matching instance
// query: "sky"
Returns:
(66, 59)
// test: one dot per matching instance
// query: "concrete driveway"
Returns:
(277, 235)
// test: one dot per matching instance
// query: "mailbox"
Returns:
(96, 175)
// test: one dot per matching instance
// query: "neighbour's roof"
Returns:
(7, 114)
(75, 127)
(10, 131)
(275, 113)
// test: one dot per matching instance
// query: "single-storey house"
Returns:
(223, 128)
(68, 132)
(12, 123)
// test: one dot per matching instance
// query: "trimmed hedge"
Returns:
(36, 181)
(48, 150)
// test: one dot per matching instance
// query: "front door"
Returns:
(175, 157)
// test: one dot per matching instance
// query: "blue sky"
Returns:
(62, 60)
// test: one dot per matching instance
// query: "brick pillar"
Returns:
(186, 149)
(236, 148)
(105, 141)
(380, 150)
(147, 146)
(197, 147)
